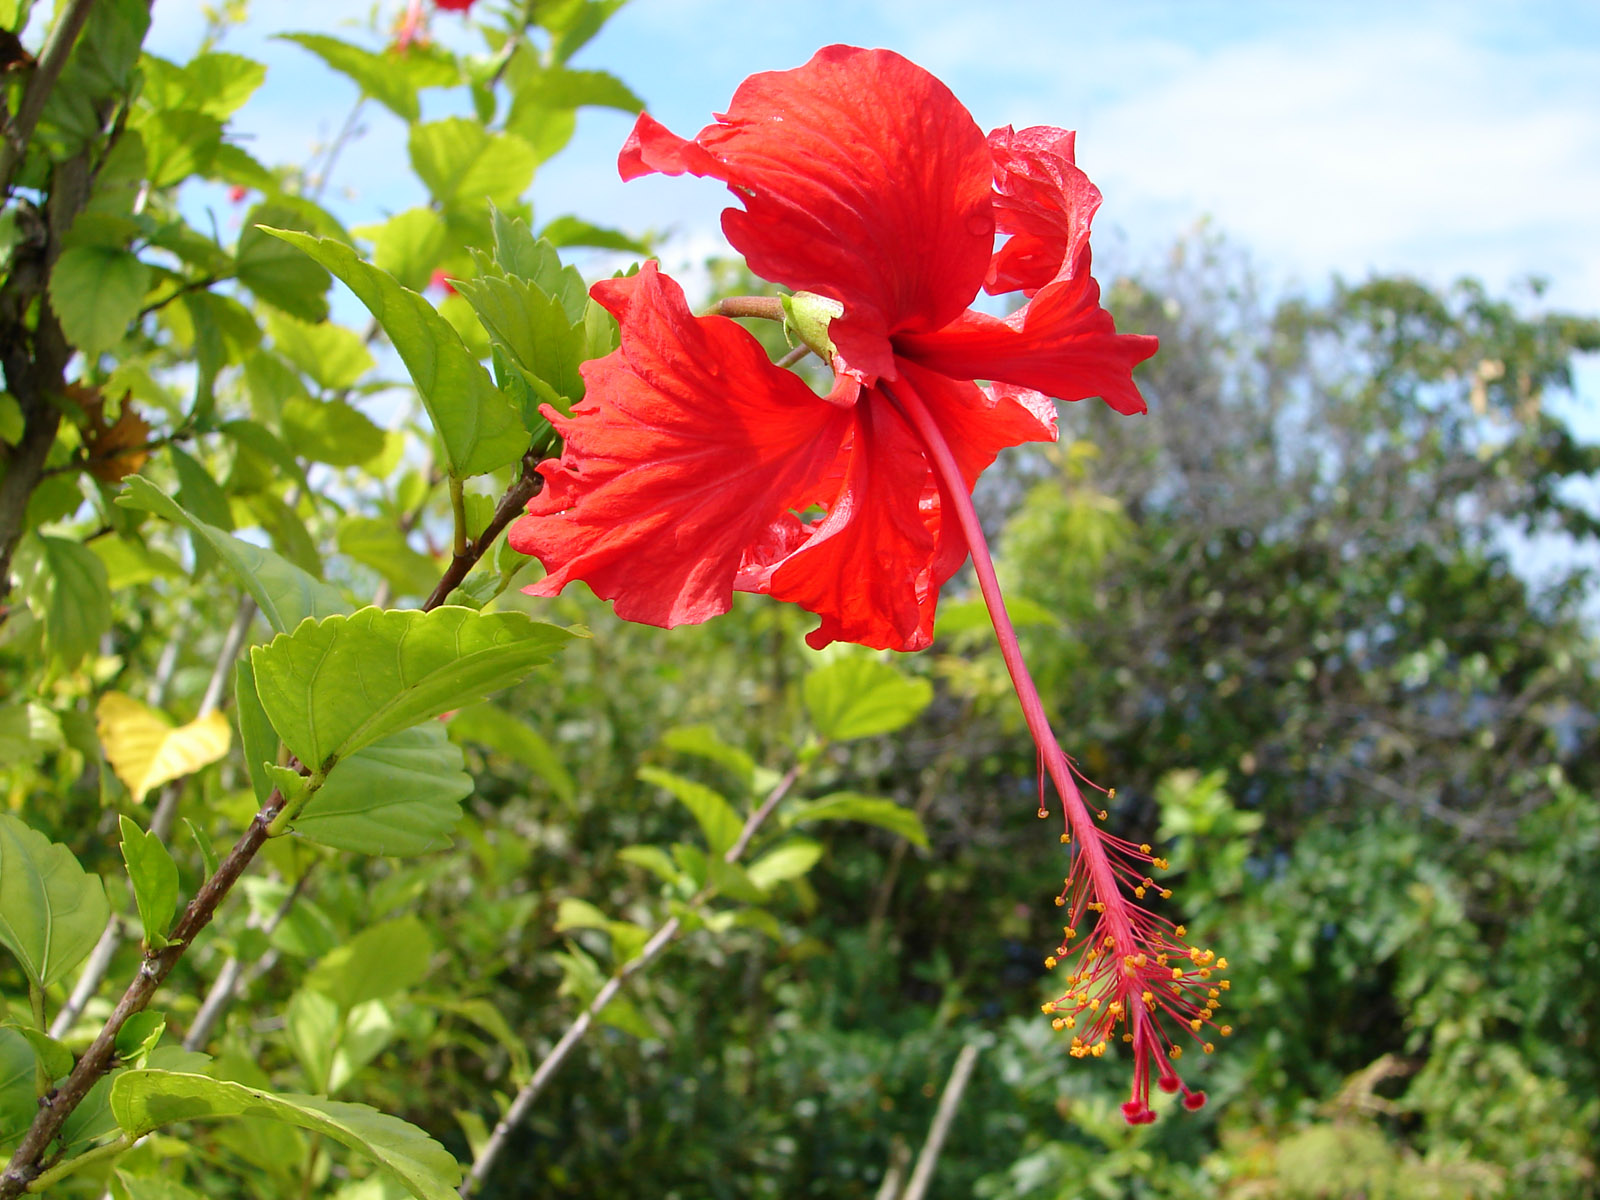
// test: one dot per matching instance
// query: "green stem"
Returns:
(41, 1077)
(458, 509)
(60, 1171)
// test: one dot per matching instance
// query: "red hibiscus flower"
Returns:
(690, 468)
(453, 5)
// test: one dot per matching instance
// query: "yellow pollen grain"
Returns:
(1195, 1024)
(1048, 1006)
(1160, 864)
(1138, 893)
(1175, 1053)
(1059, 1023)
(1177, 972)
(1069, 931)
(1127, 1037)
(1209, 1047)
(1065, 838)
(1226, 1031)
(1179, 931)
(1050, 963)
(1060, 902)
(1205, 972)
(1222, 964)
(1112, 794)
(1144, 847)
(1166, 893)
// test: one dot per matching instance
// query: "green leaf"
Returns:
(788, 861)
(535, 330)
(19, 1101)
(704, 742)
(562, 87)
(277, 273)
(311, 1027)
(399, 796)
(55, 1058)
(516, 739)
(379, 543)
(213, 82)
(198, 492)
(66, 587)
(97, 292)
(715, 815)
(374, 74)
(257, 738)
(155, 880)
(463, 164)
(873, 810)
(333, 356)
(409, 245)
(574, 231)
(336, 685)
(653, 859)
(52, 911)
(178, 143)
(137, 1038)
(377, 962)
(733, 881)
(102, 66)
(285, 593)
(331, 431)
(146, 1100)
(489, 1018)
(857, 696)
(208, 852)
(477, 424)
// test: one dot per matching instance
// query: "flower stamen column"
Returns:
(1123, 971)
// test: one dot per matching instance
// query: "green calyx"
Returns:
(806, 320)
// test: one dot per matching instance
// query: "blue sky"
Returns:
(1438, 139)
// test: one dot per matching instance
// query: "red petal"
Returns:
(873, 567)
(1061, 343)
(688, 448)
(863, 179)
(865, 569)
(1043, 201)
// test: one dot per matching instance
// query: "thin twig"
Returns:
(57, 49)
(515, 500)
(658, 942)
(922, 1173)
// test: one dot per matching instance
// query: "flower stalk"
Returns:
(1124, 974)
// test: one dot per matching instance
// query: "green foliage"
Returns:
(51, 911)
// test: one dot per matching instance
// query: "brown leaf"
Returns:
(117, 450)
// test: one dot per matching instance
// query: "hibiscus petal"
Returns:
(689, 447)
(1043, 201)
(865, 569)
(1061, 343)
(863, 179)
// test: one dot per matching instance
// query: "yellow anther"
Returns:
(1127, 1037)
(1175, 1053)
(1114, 1008)
(1049, 1006)
(1148, 997)
(1065, 838)
(1179, 931)
(1166, 893)
(1069, 1022)
(1223, 984)
(1138, 893)
(1212, 993)
(1103, 814)
(1060, 901)
(1108, 941)
(1222, 964)
(1097, 907)
(1209, 1047)
(1161, 960)
(1177, 972)
(1069, 931)
(1044, 814)
(1226, 1031)
(1140, 961)
(1161, 864)
(1094, 1004)
(1112, 794)
(1205, 972)
(1144, 847)
(1195, 1024)
(1098, 1049)
(1050, 963)
(1059, 1023)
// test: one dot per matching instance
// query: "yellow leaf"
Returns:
(145, 748)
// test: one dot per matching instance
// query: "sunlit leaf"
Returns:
(477, 424)
(155, 880)
(52, 911)
(336, 685)
(146, 1100)
(858, 696)
(377, 962)
(871, 810)
(711, 811)
(146, 749)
